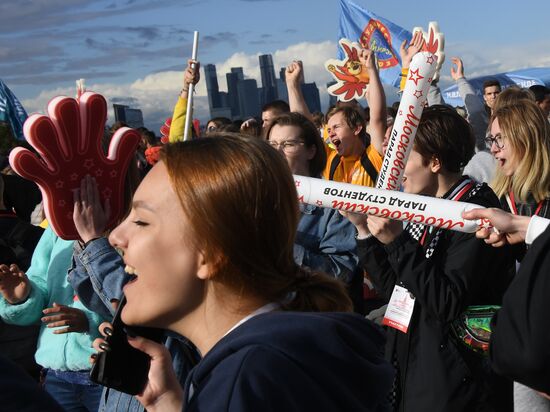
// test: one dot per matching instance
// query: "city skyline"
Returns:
(134, 51)
(244, 99)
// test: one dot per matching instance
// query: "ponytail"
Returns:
(317, 292)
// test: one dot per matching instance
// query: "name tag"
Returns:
(400, 309)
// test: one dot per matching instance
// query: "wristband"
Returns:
(367, 236)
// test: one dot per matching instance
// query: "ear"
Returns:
(357, 130)
(435, 165)
(204, 268)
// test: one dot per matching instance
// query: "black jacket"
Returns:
(436, 372)
(290, 361)
(520, 342)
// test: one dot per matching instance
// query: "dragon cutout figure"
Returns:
(350, 75)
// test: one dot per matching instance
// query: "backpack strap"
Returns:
(365, 163)
(333, 166)
(369, 167)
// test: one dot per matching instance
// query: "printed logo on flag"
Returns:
(377, 38)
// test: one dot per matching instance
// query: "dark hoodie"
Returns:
(290, 361)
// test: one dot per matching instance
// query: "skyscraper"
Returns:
(331, 99)
(269, 83)
(233, 93)
(132, 117)
(212, 88)
(282, 91)
(248, 98)
(311, 96)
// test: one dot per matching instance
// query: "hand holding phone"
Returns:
(123, 367)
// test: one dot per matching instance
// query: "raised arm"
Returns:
(294, 75)
(97, 274)
(477, 116)
(407, 52)
(190, 76)
(376, 99)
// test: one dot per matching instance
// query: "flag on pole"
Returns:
(12, 111)
(378, 34)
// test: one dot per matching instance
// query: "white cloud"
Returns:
(156, 93)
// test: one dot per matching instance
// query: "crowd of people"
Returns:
(271, 304)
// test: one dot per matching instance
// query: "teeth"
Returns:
(130, 270)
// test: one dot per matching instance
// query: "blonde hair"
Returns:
(513, 95)
(527, 132)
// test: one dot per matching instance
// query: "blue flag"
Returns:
(380, 35)
(12, 111)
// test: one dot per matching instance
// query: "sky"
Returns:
(134, 51)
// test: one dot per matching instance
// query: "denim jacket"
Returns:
(97, 276)
(325, 241)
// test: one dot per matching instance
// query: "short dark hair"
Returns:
(491, 83)
(444, 134)
(276, 105)
(311, 136)
(353, 118)
(219, 121)
(540, 92)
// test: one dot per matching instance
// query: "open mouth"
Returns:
(501, 162)
(336, 142)
(132, 272)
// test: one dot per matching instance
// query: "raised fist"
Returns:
(68, 141)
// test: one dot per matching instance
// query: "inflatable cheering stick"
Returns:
(68, 141)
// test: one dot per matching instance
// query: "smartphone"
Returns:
(124, 368)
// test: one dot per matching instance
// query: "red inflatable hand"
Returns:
(68, 141)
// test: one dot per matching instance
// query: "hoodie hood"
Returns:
(328, 358)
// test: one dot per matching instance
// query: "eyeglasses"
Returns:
(497, 140)
(289, 146)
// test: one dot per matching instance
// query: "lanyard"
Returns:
(512, 204)
(456, 195)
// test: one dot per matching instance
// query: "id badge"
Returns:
(400, 309)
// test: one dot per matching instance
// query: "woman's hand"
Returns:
(408, 52)
(510, 228)
(385, 230)
(100, 344)
(359, 220)
(368, 60)
(14, 284)
(73, 319)
(191, 75)
(163, 391)
(90, 217)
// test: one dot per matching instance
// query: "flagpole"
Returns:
(189, 113)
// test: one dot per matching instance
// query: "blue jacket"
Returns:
(97, 275)
(48, 279)
(292, 361)
(325, 241)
